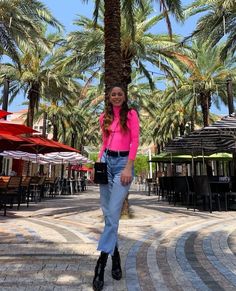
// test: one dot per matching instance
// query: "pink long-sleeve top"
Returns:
(118, 139)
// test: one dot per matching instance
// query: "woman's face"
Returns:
(117, 96)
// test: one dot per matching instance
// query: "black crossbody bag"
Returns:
(100, 168)
(100, 173)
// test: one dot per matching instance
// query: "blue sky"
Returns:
(66, 11)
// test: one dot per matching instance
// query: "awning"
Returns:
(175, 158)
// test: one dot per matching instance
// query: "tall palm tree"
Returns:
(112, 31)
(138, 51)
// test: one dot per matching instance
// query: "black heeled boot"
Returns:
(98, 280)
(116, 271)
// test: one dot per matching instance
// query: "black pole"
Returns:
(230, 95)
(44, 135)
(44, 131)
(5, 95)
(4, 107)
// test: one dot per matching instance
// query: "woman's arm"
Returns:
(134, 134)
(126, 174)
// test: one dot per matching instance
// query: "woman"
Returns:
(120, 133)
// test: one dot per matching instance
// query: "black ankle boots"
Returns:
(116, 271)
(98, 280)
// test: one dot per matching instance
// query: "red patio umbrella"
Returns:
(64, 147)
(39, 145)
(14, 129)
(10, 142)
(4, 113)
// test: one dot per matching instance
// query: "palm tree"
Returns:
(21, 28)
(22, 23)
(39, 77)
(218, 22)
(203, 83)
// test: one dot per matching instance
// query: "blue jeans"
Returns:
(112, 197)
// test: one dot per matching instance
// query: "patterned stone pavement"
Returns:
(52, 246)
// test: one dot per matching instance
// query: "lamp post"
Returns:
(5, 107)
(150, 163)
(44, 130)
(5, 95)
(230, 95)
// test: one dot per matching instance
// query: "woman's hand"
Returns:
(92, 175)
(126, 174)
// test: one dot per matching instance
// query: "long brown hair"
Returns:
(109, 114)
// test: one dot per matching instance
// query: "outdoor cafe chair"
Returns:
(191, 193)
(36, 187)
(11, 193)
(221, 186)
(25, 189)
(180, 189)
(231, 195)
(152, 186)
(203, 196)
(166, 187)
(52, 186)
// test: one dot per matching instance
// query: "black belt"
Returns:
(117, 153)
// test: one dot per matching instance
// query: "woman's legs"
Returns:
(112, 197)
(111, 203)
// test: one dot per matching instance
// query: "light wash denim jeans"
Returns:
(112, 197)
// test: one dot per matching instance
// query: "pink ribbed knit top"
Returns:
(119, 140)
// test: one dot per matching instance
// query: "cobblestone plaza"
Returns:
(52, 246)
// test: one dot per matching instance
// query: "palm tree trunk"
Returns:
(112, 39)
(204, 100)
(126, 72)
(33, 97)
(181, 129)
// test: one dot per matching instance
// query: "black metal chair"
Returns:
(191, 193)
(25, 189)
(203, 193)
(181, 189)
(11, 193)
(231, 195)
(221, 188)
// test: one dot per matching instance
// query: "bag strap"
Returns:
(113, 133)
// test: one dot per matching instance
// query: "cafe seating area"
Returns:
(205, 193)
(18, 190)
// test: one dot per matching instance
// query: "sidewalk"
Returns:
(52, 246)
